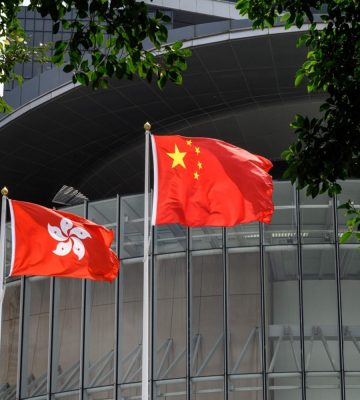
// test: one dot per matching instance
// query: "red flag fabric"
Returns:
(54, 243)
(208, 182)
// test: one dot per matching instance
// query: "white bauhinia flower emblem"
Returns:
(70, 238)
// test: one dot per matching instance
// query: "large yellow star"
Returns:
(177, 157)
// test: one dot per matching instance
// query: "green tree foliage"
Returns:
(107, 40)
(327, 148)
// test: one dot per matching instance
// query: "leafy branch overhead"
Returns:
(106, 40)
(327, 148)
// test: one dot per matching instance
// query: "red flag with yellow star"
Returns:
(208, 182)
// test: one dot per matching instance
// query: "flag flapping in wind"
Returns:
(208, 182)
(48, 242)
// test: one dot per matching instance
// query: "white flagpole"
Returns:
(4, 192)
(145, 336)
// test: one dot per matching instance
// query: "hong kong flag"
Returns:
(55, 243)
(208, 182)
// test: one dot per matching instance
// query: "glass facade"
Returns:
(254, 312)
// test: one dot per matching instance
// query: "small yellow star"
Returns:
(199, 164)
(197, 150)
(189, 142)
(177, 157)
(196, 175)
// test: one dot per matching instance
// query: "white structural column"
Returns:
(145, 337)
(216, 8)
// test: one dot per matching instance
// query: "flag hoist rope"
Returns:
(4, 192)
(145, 335)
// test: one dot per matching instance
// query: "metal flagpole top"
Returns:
(147, 126)
(4, 191)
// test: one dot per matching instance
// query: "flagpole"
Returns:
(145, 335)
(4, 192)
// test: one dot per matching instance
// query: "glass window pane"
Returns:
(35, 336)
(66, 334)
(104, 213)
(100, 334)
(170, 238)
(350, 191)
(130, 330)
(282, 229)
(173, 388)
(284, 386)
(207, 388)
(317, 219)
(99, 394)
(350, 298)
(9, 341)
(352, 385)
(132, 226)
(282, 309)
(206, 238)
(320, 308)
(244, 310)
(245, 387)
(170, 317)
(207, 314)
(243, 235)
(323, 386)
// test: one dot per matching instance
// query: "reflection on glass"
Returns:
(282, 229)
(206, 238)
(130, 329)
(282, 309)
(100, 334)
(99, 394)
(171, 388)
(350, 191)
(320, 308)
(245, 387)
(209, 388)
(170, 317)
(66, 339)
(130, 391)
(350, 297)
(170, 239)
(323, 385)
(352, 385)
(35, 336)
(9, 341)
(104, 213)
(207, 314)
(284, 386)
(132, 226)
(317, 219)
(244, 310)
(243, 235)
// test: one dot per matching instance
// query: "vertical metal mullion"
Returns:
(188, 316)
(83, 323)
(21, 337)
(339, 300)
(225, 312)
(51, 334)
(262, 310)
(301, 293)
(153, 290)
(117, 306)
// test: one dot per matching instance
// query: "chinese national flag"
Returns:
(208, 182)
(53, 243)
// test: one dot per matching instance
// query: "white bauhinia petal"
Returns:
(56, 233)
(80, 233)
(62, 249)
(65, 225)
(78, 248)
